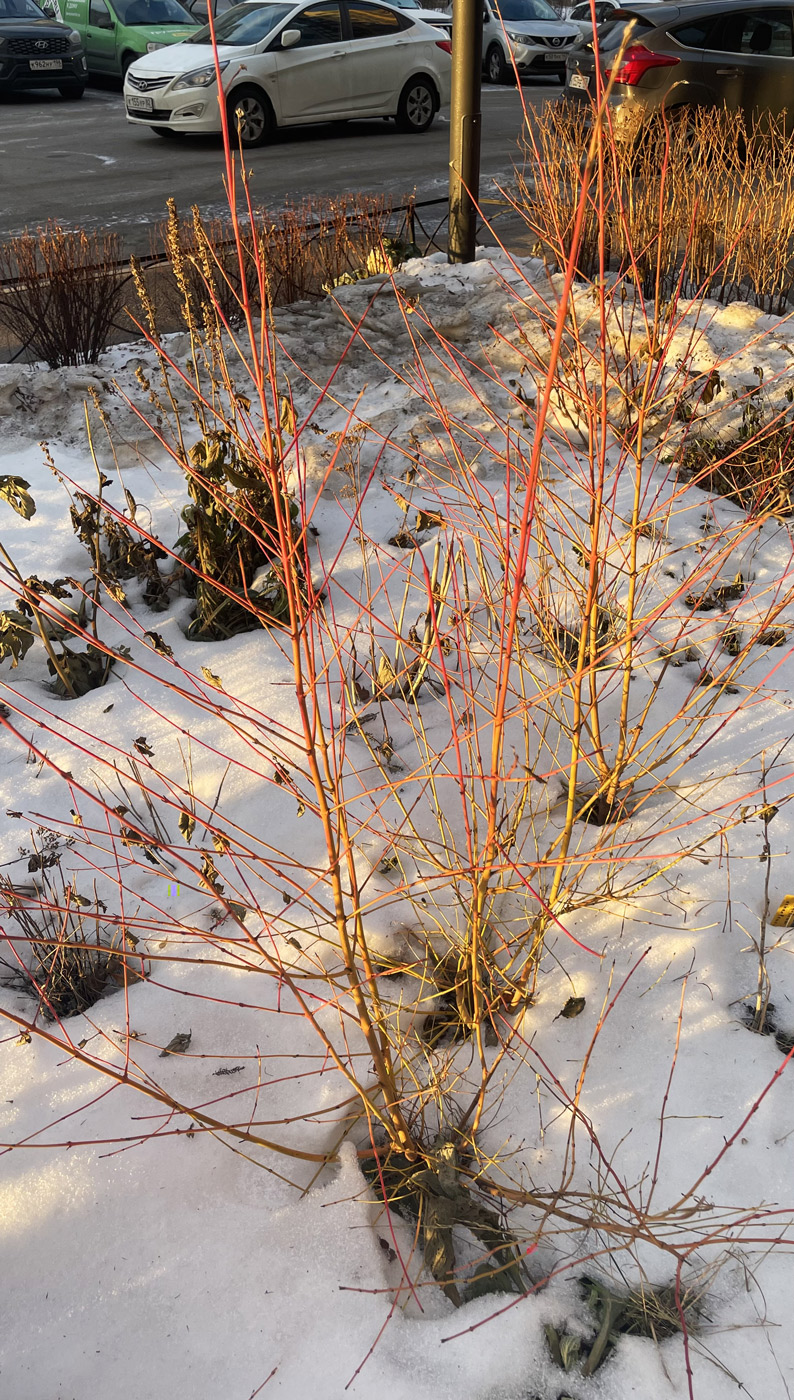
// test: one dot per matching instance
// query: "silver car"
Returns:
(527, 33)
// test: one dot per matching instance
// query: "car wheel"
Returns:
(417, 106)
(251, 119)
(126, 60)
(496, 69)
(75, 90)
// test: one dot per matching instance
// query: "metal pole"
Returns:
(465, 128)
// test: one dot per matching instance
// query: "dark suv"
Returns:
(36, 51)
(713, 54)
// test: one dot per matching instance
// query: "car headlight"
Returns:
(152, 48)
(516, 38)
(200, 78)
(75, 42)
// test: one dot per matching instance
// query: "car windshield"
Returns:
(405, 4)
(20, 9)
(518, 10)
(245, 24)
(137, 12)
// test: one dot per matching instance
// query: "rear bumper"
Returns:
(16, 75)
(626, 116)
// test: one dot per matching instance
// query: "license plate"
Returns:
(553, 57)
(578, 80)
(46, 65)
(140, 104)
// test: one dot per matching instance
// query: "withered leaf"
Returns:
(210, 875)
(428, 519)
(178, 1045)
(14, 490)
(574, 1006)
(155, 641)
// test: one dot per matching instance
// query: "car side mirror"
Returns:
(486, 18)
(290, 37)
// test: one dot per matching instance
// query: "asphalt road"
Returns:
(84, 165)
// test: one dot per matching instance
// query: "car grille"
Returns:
(548, 43)
(37, 47)
(157, 114)
(147, 84)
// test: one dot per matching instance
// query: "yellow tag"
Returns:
(784, 918)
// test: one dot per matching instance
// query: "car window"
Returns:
(99, 15)
(198, 9)
(582, 12)
(372, 21)
(134, 12)
(245, 24)
(696, 34)
(762, 32)
(518, 10)
(318, 24)
(20, 9)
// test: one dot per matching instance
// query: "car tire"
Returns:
(73, 90)
(258, 121)
(417, 106)
(496, 70)
(126, 60)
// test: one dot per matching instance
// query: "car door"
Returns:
(581, 15)
(750, 62)
(100, 38)
(383, 55)
(312, 76)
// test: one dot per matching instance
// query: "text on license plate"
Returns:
(139, 104)
(578, 80)
(553, 57)
(46, 65)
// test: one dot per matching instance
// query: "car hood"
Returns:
(544, 28)
(436, 17)
(163, 33)
(41, 27)
(183, 58)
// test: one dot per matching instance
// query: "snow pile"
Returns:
(165, 1260)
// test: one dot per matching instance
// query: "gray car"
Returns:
(713, 54)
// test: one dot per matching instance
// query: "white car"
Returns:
(529, 33)
(583, 16)
(288, 64)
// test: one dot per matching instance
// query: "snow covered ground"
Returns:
(146, 1259)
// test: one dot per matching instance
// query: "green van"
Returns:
(116, 32)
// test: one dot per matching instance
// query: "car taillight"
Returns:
(444, 44)
(637, 60)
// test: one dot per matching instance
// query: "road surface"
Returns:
(81, 163)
